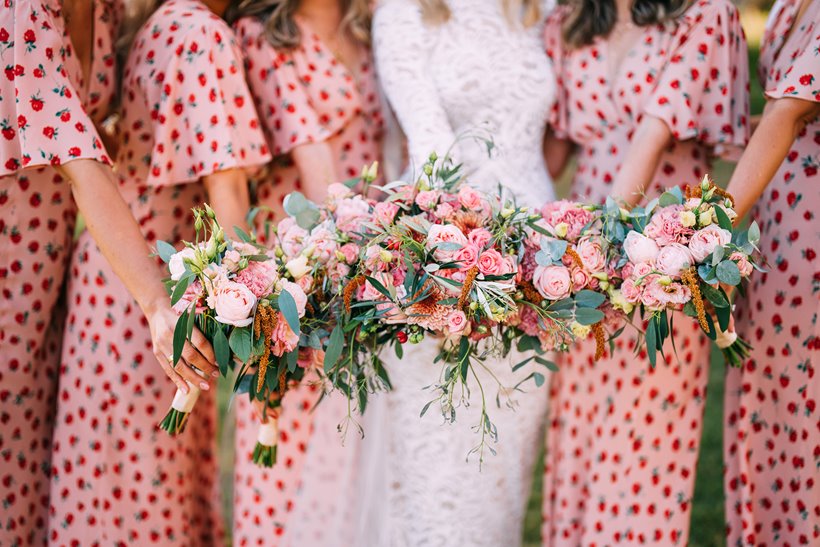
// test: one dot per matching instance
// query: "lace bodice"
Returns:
(475, 74)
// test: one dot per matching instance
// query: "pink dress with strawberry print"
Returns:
(623, 439)
(303, 96)
(771, 436)
(47, 114)
(117, 479)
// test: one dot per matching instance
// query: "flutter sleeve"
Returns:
(801, 80)
(702, 92)
(554, 46)
(400, 44)
(42, 120)
(203, 117)
(279, 82)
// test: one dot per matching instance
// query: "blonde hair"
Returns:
(281, 29)
(527, 12)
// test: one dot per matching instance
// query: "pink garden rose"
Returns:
(650, 297)
(231, 260)
(470, 198)
(291, 236)
(479, 237)
(444, 211)
(705, 240)
(322, 242)
(234, 304)
(298, 295)
(743, 263)
(467, 256)
(350, 252)
(193, 293)
(444, 233)
(640, 248)
(350, 213)
(384, 212)
(592, 257)
(456, 322)
(552, 282)
(569, 213)
(665, 227)
(673, 259)
(580, 279)
(642, 269)
(427, 199)
(284, 339)
(491, 262)
(630, 291)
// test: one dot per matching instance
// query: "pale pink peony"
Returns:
(665, 226)
(233, 303)
(705, 240)
(444, 233)
(640, 248)
(552, 282)
(673, 259)
(291, 236)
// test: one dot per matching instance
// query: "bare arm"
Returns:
(229, 196)
(316, 169)
(110, 222)
(650, 140)
(557, 153)
(782, 121)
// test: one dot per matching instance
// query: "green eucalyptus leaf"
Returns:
(728, 272)
(165, 251)
(589, 299)
(588, 316)
(287, 305)
(753, 233)
(334, 348)
(222, 351)
(722, 218)
(241, 344)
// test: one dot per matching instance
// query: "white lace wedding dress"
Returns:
(474, 74)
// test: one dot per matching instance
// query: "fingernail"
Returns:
(215, 374)
(204, 385)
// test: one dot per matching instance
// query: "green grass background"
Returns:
(707, 508)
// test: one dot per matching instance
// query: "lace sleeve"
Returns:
(401, 45)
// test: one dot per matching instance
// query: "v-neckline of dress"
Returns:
(350, 72)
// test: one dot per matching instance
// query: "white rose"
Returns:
(297, 267)
(177, 263)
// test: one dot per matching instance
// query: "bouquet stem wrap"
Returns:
(734, 348)
(264, 453)
(181, 407)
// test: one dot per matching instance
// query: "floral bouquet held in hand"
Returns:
(681, 251)
(233, 293)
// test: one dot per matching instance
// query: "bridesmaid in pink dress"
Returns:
(654, 101)
(53, 122)
(771, 437)
(189, 131)
(320, 110)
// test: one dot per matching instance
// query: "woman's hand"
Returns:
(197, 355)
(265, 412)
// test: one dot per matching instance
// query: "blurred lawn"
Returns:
(707, 509)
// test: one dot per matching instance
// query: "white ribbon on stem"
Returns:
(268, 432)
(184, 402)
(725, 339)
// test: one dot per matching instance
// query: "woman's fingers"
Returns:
(165, 363)
(195, 358)
(205, 349)
(192, 375)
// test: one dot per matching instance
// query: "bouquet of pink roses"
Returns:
(237, 296)
(679, 253)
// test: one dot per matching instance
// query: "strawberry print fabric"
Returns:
(694, 77)
(48, 109)
(117, 479)
(772, 440)
(303, 96)
(623, 439)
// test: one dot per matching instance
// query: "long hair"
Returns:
(281, 29)
(436, 12)
(137, 13)
(589, 19)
